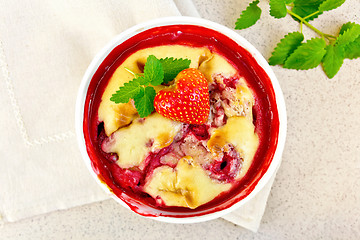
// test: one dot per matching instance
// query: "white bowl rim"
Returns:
(182, 20)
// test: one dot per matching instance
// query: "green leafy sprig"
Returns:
(292, 52)
(156, 72)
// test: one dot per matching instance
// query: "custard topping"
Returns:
(187, 185)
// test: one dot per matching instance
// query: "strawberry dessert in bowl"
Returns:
(180, 119)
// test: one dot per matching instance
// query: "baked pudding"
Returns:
(175, 165)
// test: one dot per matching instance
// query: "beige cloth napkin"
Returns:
(45, 48)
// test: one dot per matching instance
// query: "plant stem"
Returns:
(135, 74)
(302, 20)
(311, 15)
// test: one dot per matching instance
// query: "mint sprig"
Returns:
(156, 72)
(292, 52)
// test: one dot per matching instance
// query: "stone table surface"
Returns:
(316, 194)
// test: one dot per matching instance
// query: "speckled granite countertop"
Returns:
(316, 194)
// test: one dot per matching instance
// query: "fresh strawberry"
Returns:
(187, 100)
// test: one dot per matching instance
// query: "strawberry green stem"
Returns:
(302, 20)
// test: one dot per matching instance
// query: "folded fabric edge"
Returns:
(187, 8)
(249, 215)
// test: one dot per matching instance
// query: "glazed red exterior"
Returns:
(266, 119)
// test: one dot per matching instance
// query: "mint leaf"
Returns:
(144, 101)
(307, 55)
(304, 8)
(285, 47)
(333, 60)
(277, 8)
(349, 34)
(153, 71)
(352, 50)
(249, 16)
(346, 26)
(328, 5)
(142, 80)
(172, 67)
(129, 90)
